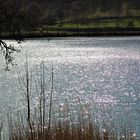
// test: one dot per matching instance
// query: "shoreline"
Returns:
(97, 32)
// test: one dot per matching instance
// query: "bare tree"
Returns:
(13, 20)
(9, 25)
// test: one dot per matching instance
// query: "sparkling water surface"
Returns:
(102, 73)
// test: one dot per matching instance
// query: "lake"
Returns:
(103, 73)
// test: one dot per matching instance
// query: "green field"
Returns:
(98, 24)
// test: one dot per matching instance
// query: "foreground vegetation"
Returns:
(64, 130)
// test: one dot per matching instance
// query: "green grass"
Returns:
(137, 23)
(99, 24)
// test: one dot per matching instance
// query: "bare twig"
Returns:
(51, 96)
(7, 50)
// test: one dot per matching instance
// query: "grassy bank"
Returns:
(122, 26)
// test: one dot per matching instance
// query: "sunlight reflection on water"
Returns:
(103, 73)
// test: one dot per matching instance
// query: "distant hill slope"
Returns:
(74, 9)
(50, 11)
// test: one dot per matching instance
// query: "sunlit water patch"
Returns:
(102, 74)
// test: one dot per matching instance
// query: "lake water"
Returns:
(103, 73)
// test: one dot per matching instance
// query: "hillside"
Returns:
(49, 11)
(52, 10)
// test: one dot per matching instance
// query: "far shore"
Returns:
(76, 32)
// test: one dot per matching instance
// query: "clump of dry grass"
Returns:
(60, 131)
(65, 130)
